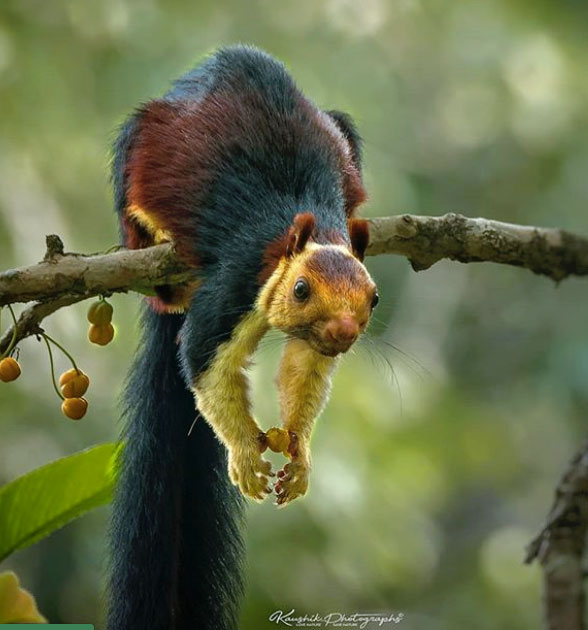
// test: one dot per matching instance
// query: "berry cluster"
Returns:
(73, 384)
(278, 440)
(101, 331)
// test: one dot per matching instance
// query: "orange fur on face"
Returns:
(341, 293)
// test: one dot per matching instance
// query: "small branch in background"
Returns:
(560, 548)
(61, 279)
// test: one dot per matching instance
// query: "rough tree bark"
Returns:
(423, 240)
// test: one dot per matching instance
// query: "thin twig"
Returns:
(12, 341)
(52, 365)
(67, 354)
(30, 319)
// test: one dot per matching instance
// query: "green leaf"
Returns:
(40, 502)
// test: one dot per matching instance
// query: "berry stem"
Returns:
(46, 338)
(14, 333)
(67, 354)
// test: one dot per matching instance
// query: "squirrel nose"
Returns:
(343, 330)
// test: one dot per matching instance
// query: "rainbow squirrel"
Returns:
(257, 188)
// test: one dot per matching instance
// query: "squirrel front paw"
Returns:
(249, 471)
(292, 481)
(293, 478)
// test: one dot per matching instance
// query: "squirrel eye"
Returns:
(301, 290)
(375, 300)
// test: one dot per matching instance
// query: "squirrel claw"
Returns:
(251, 473)
(292, 482)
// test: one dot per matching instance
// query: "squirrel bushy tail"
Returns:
(176, 543)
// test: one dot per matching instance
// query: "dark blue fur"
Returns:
(260, 186)
(255, 196)
(176, 546)
(347, 126)
(121, 148)
(236, 66)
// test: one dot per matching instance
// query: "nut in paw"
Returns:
(278, 440)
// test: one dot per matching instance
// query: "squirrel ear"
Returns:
(359, 234)
(299, 233)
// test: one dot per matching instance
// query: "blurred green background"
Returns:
(424, 490)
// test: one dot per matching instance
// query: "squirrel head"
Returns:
(321, 293)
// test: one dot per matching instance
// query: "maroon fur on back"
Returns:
(359, 233)
(179, 146)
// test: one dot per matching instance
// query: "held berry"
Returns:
(100, 313)
(278, 440)
(101, 335)
(74, 408)
(73, 384)
(9, 370)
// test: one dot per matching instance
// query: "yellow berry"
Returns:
(67, 376)
(101, 335)
(74, 408)
(9, 369)
(278, 440)
(100, 313)
(73, 383)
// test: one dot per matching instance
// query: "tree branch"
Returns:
(59, 274)
(560, 547)
(551, 252)
(64, 278)
(30, 319)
